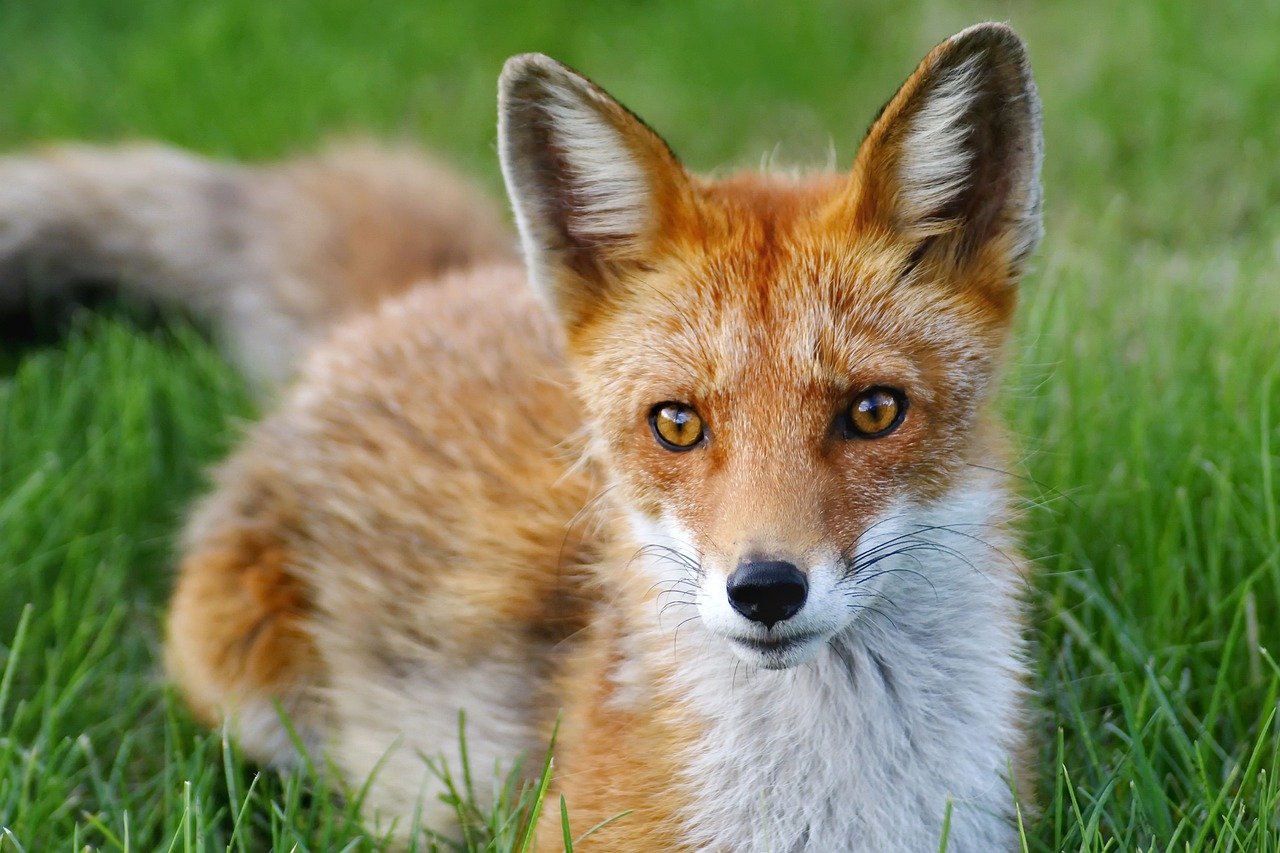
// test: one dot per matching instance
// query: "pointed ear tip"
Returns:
(995, 34)
(524, 66)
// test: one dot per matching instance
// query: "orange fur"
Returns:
(455, 507)
(238, 612)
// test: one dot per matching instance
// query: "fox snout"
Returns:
(767, 591)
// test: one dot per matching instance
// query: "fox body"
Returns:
(711, 477)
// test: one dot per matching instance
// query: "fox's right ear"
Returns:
(592, 187)
(953, 161)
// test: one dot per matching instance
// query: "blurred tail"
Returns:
(268, 256)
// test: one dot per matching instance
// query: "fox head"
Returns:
(774, 368)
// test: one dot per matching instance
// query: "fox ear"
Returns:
(592, 187)
(953, 160)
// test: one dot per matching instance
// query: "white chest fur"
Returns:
(913, 710)
(859, 750)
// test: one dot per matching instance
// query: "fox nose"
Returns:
(767, 591)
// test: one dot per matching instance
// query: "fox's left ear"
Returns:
(953, 161)
(593, 188)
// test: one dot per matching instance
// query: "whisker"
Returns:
(583, 513)
(669, 584)
(875, 611)
(1027, 478)
(678, 603)
(675, 639)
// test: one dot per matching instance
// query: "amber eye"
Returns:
(874, 413)
(676, 426)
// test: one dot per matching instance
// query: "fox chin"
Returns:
(708, 470)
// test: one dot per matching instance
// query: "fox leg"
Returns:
(237, 643)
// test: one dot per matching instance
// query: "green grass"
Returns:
(1145, 388)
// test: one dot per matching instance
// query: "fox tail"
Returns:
(267, 256)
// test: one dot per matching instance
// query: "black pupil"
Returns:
(679, 419)
(875, 408)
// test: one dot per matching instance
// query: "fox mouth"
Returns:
(776, 652)
(773, 644)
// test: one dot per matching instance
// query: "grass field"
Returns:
(1146, 385)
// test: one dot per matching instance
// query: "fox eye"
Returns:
(874, 413)
(676, 426)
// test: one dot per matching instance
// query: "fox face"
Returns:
(776, 369)
(763, 423)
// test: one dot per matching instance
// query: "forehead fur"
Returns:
(769, 276)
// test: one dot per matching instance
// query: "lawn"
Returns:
(1145, 385)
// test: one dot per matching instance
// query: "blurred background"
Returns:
(1144, 384)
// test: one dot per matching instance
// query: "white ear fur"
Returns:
(935, 162)
(610, 190)
(578, 169)
(965, 144)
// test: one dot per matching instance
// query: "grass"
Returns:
(1145, 384)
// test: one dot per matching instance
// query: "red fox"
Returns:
(712, 477)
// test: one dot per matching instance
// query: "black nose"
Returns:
(767, 591)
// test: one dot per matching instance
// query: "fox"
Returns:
(703, 476)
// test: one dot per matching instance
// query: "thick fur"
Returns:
(460, 505)
(268, 255)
